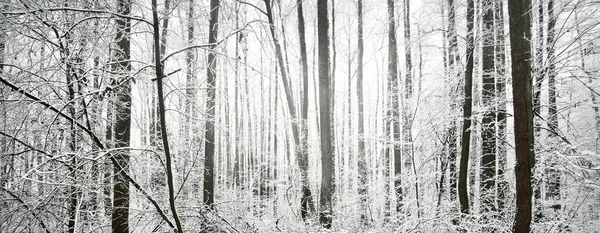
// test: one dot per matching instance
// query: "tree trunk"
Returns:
(211, 75)
(453, 61)
(335, 149)
(538, 68)
(467, 106)
(107, 176)
(120, 211)
(347, 176)
(191, 113)
(326, 210)
(394, 109)
(405, 108)
(306, 203)
(161, 109)
(363, 172)
(407, 143)
(68, 59)
(443, 158)
(502, 190)
(73, 169)
(235, 155)
(520, 35)
(553, 188)
(488, 130)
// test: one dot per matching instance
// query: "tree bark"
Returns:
(407, 115)
(488, 131)
(327, 166)
(538, 68)
(554, 180)
(467, 106)
(211, 75)
(502, 190)
(363, 172)
(68, 59)
(306, 203)
(394, 108)
(120, 211)
(235, 155)
(191, 136)
(520, 35)
(161, 110)
(453, 61)
(73, 168)
(335, 149)
(444, 157)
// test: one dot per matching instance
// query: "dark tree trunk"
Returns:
(520, 35)
(306, 203)
(73, 169)
(326, 210)
(488, 131)
(467, 106)
(107, 176)
(211, 75)
(161, 109)
(120, 211)
(71, 81)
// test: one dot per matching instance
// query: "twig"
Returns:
(96, 141)
(26, 207)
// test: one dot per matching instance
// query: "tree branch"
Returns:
(26, 144)
(96, 141)
(209, 45)
(18, 199)
(76, 10)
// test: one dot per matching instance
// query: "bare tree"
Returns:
(327, 166)
(453, 63)
(538, 69)
(554, 174)
(488, 131)
(393, 114)
(306, 203)
(520, 35)
(211, 75)
(161, 112)
(467, 107)
(122, 127)
(363, 172)
(502, 188)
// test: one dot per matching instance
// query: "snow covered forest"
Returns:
(299, 116)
